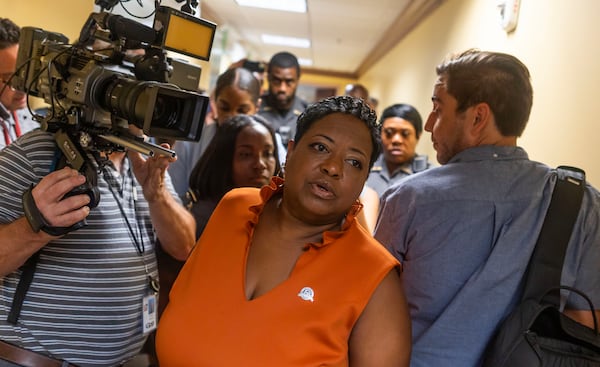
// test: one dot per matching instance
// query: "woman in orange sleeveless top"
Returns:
(284, 275)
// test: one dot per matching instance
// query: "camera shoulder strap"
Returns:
(28, 269)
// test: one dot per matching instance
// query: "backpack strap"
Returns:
(545, 266)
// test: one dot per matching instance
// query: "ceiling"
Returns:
(347, 36)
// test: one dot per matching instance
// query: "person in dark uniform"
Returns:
(401, 127)
(280, 106)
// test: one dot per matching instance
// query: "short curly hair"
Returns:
(9, 33)
(342, 104)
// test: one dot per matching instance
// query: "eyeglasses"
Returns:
(4, 78)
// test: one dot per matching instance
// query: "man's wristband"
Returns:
(36, 219)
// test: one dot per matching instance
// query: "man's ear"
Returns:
(482, 117)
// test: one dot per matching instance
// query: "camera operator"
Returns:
(90, 302)
(15, 119)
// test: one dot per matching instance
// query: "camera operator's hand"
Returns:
(18, 239)
(175, 227)
(150, 173)
(48, 196)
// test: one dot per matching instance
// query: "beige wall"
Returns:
(67, 17)
(62, 16)
(339, 83)
(558, 40)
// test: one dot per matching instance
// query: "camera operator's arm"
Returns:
(19, 241)
(174, 225)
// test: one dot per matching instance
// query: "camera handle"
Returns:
(138, 145)
(152, 65)
(32, 213)
(74, 157)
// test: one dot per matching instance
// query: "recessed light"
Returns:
(305, 62)
(285, 41)
(297, 6)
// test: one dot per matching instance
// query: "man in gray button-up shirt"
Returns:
(465, 231)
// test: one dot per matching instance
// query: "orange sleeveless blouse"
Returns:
(304, 321)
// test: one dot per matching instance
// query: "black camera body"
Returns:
(128, 81)
(117, 74)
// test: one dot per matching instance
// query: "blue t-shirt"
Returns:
(465, 232)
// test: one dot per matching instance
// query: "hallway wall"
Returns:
(557, 40)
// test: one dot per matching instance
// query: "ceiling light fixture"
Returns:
(285, 41)
(297, 6)
(305, 62)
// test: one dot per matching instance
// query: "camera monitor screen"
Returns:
(183, 33)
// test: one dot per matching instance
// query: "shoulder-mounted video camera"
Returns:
(117, 74)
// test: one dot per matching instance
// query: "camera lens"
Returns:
(158, 109)
(133, 100)
(125, 98)
(166, 110)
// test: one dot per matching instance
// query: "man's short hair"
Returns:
(498, 79)
(284, 60)
(9, 33)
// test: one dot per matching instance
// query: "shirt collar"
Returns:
(490, 152)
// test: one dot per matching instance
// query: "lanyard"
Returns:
(138, 243)
(7, 139)
(6, 128)
(17, 127)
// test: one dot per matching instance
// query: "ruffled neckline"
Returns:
(276, 187)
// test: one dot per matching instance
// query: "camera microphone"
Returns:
(122, 27)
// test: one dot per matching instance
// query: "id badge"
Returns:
(149, 313)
